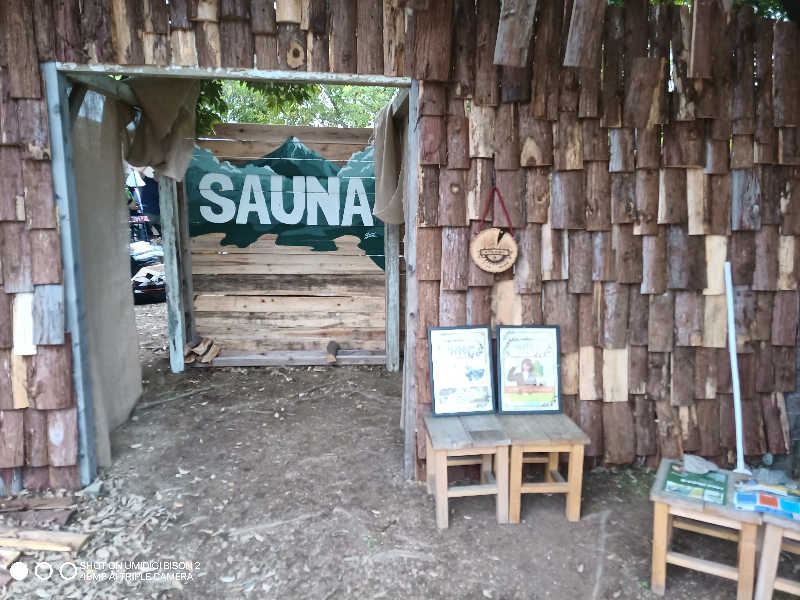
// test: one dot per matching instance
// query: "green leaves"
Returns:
(288, 104)
(246, 101)
(318, 105)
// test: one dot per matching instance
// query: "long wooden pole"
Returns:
(409, 362)
(737, 394)
(185, 254)
(67, 202)
(168, 201)
(231, 73)
(391, 245)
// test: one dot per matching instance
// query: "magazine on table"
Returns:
(710, 487)
(774, 499)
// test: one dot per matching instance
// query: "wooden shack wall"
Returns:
(38, 425)
(268, 297)
(628, 184)
(622, 227)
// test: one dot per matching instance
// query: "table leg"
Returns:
(486, 467)
(515, 484)
(747, 561)
(501, 477)
(658, 574)
(768, 568)
(440, 486)
(429, 467)
(552, 465)
(575, 480)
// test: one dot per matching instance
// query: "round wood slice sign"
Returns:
(494, 250)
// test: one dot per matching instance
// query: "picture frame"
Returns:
(461, 370)
(529, 369)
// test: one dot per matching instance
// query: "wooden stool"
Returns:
(474, 439)
(775, 531)
(725, 522)
(540, 439)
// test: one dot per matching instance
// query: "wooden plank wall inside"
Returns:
(270, 297)
(248, 141)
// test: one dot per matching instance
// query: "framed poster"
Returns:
(529, 369)
(462, 380)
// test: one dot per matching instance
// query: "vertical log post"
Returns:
(168, 202)
(409, 360)
(391, 251)
(67, 203)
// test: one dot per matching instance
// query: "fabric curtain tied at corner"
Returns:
(164, 139)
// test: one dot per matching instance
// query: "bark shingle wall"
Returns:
(38, 432)
(629, 182)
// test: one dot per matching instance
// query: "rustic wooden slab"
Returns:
(457, 433)
(618, 430)
(612, 90)
(35, 425)
(465, 42)
(50, 378)
(532, 429)
(660, 323)
(11, 440)
(48, 315)
(487, 74)
(15, 249)
(433, 31)
(515, 32)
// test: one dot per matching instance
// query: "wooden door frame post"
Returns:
(391, 251)
(170, 234)
(185, 257)
(409, 356)
(66, 199)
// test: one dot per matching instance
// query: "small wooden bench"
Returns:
(540, 439)
(474, 439)
(774, 533)
(672, 511)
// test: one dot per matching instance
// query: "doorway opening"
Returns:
(105, 324)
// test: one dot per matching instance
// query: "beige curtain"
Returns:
(105, 265)
(390, 169)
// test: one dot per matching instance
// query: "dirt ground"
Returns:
(287, 483)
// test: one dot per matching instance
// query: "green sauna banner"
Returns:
(293, 192)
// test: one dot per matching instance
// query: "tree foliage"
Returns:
(213, 103)
(288, 104)
(324, 106)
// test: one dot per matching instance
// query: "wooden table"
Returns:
(540, 439)
(774, 533)
(679, 512)
(474, 439)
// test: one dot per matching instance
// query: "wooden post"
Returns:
(661, 522)
(391, 250)
(409, 360)
(67, 203)
(575, 479)
(168, 202)
(187, 287)
(501, 477)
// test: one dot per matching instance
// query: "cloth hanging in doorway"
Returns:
(390, 169)
(164, 138)
(111, 346)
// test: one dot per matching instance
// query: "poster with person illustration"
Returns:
(461, 370)
(529, 369)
